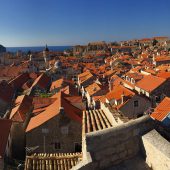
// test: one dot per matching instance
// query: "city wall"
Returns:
(108, 147)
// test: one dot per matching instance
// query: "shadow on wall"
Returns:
(18, 141)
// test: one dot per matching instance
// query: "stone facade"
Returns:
(129, 109)
(61, 131)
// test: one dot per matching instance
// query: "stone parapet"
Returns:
(157, 151)
(111, 146)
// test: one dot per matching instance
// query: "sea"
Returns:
(37, 49)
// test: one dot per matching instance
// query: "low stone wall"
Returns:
(111, 146)
(157, 150)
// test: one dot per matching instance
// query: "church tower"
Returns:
(45, 55)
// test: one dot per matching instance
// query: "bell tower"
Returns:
(45, 55)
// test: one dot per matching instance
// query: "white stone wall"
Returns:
(157, 151)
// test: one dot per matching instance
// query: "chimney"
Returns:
(111, 84)
(123, 98)
(61, 110)
(153, 57)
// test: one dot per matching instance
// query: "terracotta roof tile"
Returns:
(117, 93)
(149, 87)
(85, 76)
(93, 88)
(57, 84)
(162, 110)
(23, 104)
(39, 102)
(53, 110)
(165, 75)
(162, 58)
(42, 81)
(46, 115)
(136, 76)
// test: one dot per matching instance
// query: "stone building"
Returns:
(122, 49)
(78, 50)
(160, 60)
(100, 45)
(57, 128)
(127, 102)
(153, 87)
(84, 79)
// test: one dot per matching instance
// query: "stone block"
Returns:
(105, 163)
(123, 155)
(105, 153)
(115, 157)
(120, 148)
(103, 144)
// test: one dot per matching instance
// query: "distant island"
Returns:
(2, 49)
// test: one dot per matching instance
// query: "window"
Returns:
(64, 130)
(77, 147)
(136, 104)
(45, 131)
(57, 145)
(157, 98)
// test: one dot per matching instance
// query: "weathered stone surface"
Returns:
(112, 146)
(123, 154)
(157, 151)
(115, 157)
(105, 153)
(136, 163)
(104, 163)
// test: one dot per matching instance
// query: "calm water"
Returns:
(36, 49)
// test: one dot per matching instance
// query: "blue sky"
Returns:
(70, 22)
